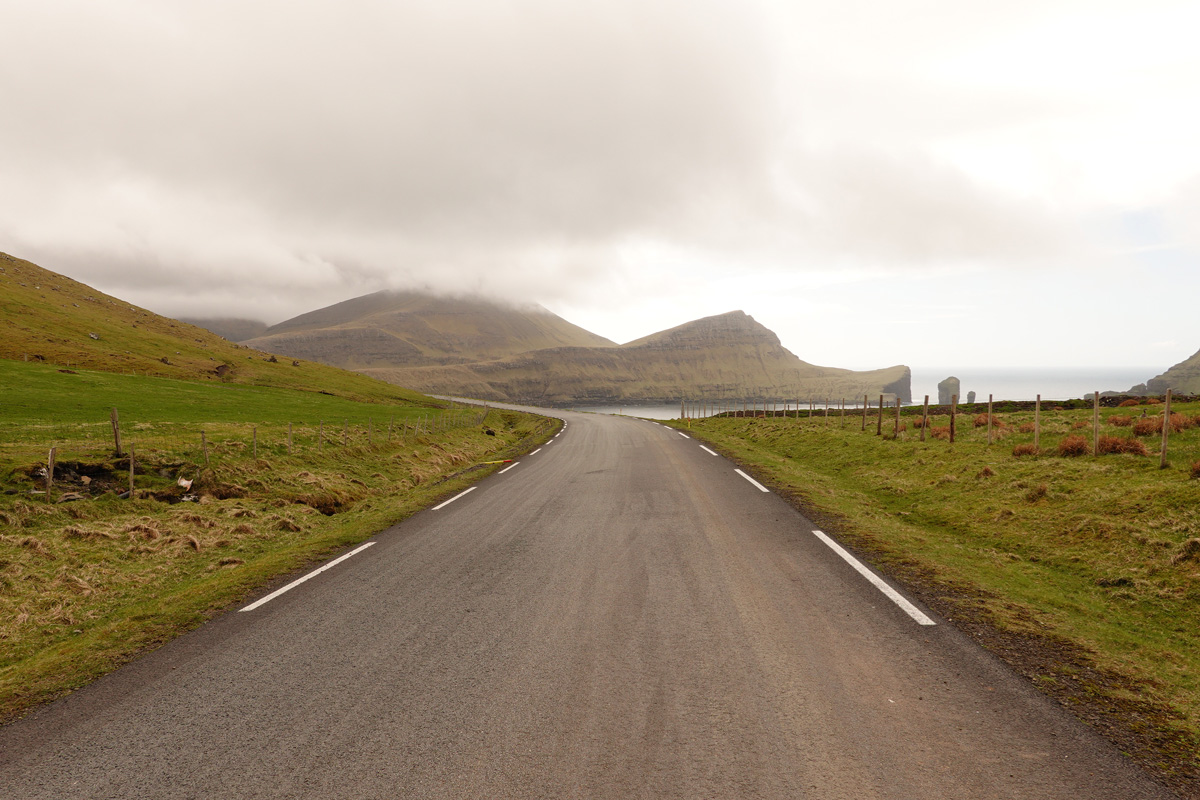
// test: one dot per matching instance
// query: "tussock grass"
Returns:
(1073, 446)
(1118, 421)
(1147, 426)
(1025, 449)
(1121, 444)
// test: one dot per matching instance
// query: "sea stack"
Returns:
(947, 389)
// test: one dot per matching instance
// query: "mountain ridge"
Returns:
(50, 318)
(725, 356)
(1183, 378)
(393, 328)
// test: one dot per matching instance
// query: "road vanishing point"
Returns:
(622, 614)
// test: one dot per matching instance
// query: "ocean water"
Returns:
(1011, 383)
(1004, 383)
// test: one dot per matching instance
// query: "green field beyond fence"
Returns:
(165, 420)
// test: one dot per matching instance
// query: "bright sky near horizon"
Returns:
(929, 182)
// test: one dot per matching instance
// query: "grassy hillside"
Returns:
(1083, 572)
(231, 328)
(286, 462)
(410, 328)
(49, 318)
(729, 356)
(86, 585)
(1184, 377)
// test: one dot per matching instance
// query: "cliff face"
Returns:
(1183, 378)
(729, 356)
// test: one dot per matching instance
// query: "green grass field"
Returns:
(1084, 572)
(85, 585)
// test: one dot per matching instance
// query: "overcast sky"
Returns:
(937, 182)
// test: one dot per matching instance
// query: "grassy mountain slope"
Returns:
(415, 329)
(729, 356)
(231, 328)
(47, 317)
(1183, 378)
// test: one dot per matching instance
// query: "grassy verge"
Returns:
(1082, 572)
(86, 585)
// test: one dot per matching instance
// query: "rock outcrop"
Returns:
(948, 389)
(1183, 378)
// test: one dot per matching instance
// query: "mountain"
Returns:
(231, 328)
(729, 356)
(389, 329)
(1183, 378)
(50, 318)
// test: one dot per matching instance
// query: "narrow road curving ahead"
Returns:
(620, 615)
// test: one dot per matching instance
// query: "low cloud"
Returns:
(261, 160)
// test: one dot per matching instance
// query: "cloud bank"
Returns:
(264, 159)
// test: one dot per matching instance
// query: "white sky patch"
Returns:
(932, 182)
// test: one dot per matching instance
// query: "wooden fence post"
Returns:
(879, 424)
(1037, 423)
(204, 446)
(1162, 461)
(130, 473)
(989, 420)
(953, 414)
(116, 426)
(50, 471)
(925, 418)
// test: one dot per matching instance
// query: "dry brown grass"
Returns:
(1121, 444)
(1188, 551)
(1119, 421)
(1147, 426)
(1153, 401)
(1027, 449)
(939, 431)
(1037, 493)
(986, 472)
(1129, 403)
(1027, 427)
(981, 421)
(1073, 446)
(1181, 422)
(1080, 424)
(1195, 471)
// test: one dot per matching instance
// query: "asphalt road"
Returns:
(622, 615)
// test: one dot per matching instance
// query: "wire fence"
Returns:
(175, 449)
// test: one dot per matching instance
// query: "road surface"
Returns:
(619, 615)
